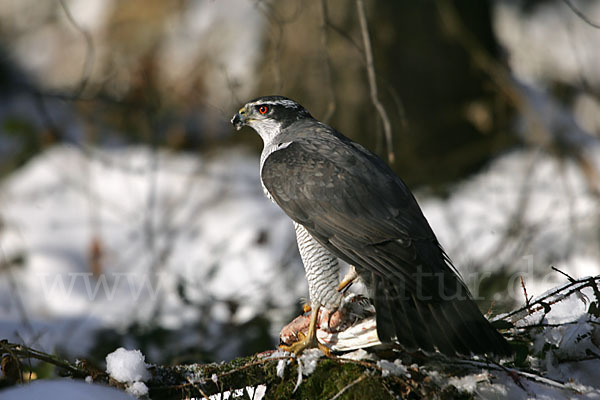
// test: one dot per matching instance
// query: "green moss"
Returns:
(329, 378)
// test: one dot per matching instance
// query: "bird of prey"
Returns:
(347, 204)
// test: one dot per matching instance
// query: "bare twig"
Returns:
(406, 383)
(569, 193)
(499, 75)
(348, 386)
(514, 222)
(331, 104)
(548, 299)
(524, 292)
(19, 351)
(278, 22)
(5, 267)
(277, 61)
(510, 89)
(387, 126)
(197, 387)
(569, 277)
(545, 325)
(577, 57)
(89, 46)
(490, 309)
(581, 15)
(513, 371)
(348, 39)
(594, 285)
(399, 108)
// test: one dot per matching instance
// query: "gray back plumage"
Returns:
(352, 203)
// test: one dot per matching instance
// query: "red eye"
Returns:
(263, 109)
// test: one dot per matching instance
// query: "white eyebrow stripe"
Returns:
(285, 103)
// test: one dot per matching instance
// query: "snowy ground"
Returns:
(112, 238)
(64, 389)
(524, 213)
(108, 239)
(118, 237)
(563, 323)
(549, 41)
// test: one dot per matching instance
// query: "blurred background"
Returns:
(131, 213)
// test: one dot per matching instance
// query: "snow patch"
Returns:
(137, 389)
(549, 202)
(395, 368)
(549, 42)
(63, 389)
(565, 330)
(469, 383)
(127, 366)
(179, 238)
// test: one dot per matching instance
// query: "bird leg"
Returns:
(310, 339)
(350, 277)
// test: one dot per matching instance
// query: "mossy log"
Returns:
(332, 378)
(546, 341)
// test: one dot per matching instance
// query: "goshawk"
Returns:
(346, 203)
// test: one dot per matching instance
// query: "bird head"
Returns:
(268, 115)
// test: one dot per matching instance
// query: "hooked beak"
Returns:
(239, 119)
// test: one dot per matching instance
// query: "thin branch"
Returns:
(407, 383)
(514, 222)
(524, 292)
(492, 365)
(18, 300)
(399, 107)
(581, 15)
(348, 39)
(277, 58)
(331, 105)
(387, 126)
(278, 23)
(506, 85)
(27, 352)
(348, 386)
(577, 57)
(569, 277)
(454, 28)
(197, 387)
(490, 310)
(545, 325)
(561, 292)
(89, 46)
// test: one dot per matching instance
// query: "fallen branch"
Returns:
(410, 375)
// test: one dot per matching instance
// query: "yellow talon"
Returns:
(326, 350)
(305, 341)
